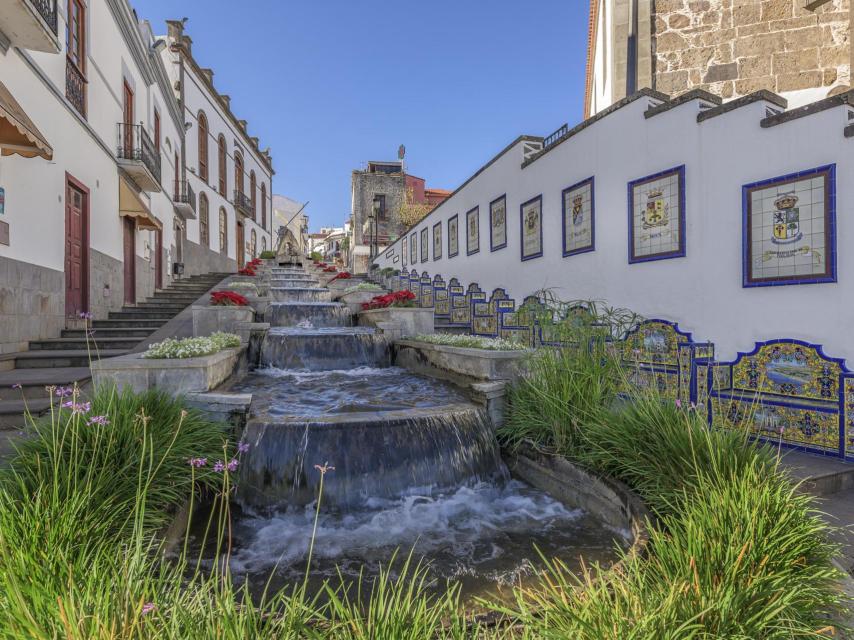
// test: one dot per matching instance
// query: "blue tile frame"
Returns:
(681, 251)
(522, 229)
(829, 171)
(425, 245)
(476, 212)
(503, 244)
(453, 254)
(438, 226)
(563, 193)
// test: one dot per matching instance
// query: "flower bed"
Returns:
(192, 347)
(249, 287)
(394, 299)
(470, 342)
(228, 299)
(362, 286)
(343, 275)
(330, 269)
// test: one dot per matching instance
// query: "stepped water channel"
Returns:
(416, 465)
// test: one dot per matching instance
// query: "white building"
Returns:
(224, 165)
(96, 209)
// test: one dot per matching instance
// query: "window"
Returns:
(157, 130)
(253, 243)
(223, 178)
(379, 206)
(252, 193)
(203, 146)
(264, 205)
(75, 34)
(238, 171)
(223, 231)
(204, 229)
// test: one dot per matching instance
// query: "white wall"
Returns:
(702, 291)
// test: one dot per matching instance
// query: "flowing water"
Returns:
(416, 466)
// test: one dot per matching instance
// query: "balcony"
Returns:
(30, 24)
(75, 87)
(184, 199)
(138, 157)
(242, 203)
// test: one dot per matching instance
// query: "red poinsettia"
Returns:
(344, 275)
(322, 265)
(394, 299)
(228, 299)
(330, 269)
(247, 271)
(256, 262)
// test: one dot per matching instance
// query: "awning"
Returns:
(18, 134)
(132, 206)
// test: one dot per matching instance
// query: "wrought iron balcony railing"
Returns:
(47, 10)
(75, 87)
(242, 203)
(183, 194)
(135, 144)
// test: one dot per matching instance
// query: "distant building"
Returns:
(797, 48)
(384, 187)
(290, 219)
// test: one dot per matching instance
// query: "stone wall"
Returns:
(365, 186)
(106, 284)
(32, 304)
(736, 47)
(199, 260)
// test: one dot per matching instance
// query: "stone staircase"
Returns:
(65, 360)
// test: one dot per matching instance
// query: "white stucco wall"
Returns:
(702, 291)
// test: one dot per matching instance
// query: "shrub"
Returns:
(363, 286)
(192, 347)
(228, 299)
(471, 342)
(395, 299)
(267, 255)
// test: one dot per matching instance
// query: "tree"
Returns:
(412, 212)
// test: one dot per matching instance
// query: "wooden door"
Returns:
(76, 250)
(240, 243)
(127, 108)
(129, 226)
(158, 259)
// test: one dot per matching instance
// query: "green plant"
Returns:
(362, 286)
(316, 255)
(267, 255)
(173, 348)
(470, 342)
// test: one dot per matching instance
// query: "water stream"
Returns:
(416, 465)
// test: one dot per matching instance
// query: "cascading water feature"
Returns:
(416, 464)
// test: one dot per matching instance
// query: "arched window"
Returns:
(204, 225)
(223, 178)
(238, 171)
(252, 193)
(253, 244)
(203, 146)
(223, 231)
(264, 205)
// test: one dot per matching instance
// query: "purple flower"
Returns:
(77, 408)
(242, 447)
(678, 403)
(17, 385)
(85, 315)
(197, 462)
(219, 467)
(148, 607)
(63, 392)
(232, 464)
(99, 420)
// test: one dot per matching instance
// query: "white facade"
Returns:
(722, 149)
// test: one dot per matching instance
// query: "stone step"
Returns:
(142, 314)
(97, 341)
(12, 411)
(62, 358)
(160, 304)
(117, 332)
(34, 381)
(123, 322)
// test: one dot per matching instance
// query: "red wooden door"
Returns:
(130, 260)
(158, 259)
(240, 243)
(76, 250)
(127, 108)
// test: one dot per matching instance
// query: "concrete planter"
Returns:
(176, 376)
(481, 364)
(412, 320)
(208, 320)
(258, 303)
(355, 299)
(262, 283)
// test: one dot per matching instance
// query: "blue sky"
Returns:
(331, 84)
